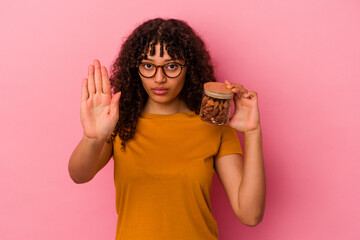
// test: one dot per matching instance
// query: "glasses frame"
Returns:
(162, 67)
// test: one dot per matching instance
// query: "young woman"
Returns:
(164, 156)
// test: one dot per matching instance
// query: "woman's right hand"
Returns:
(99, 110)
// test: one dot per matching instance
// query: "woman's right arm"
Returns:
(99, 113)
(88, 158)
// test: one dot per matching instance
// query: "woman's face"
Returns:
(160, 88)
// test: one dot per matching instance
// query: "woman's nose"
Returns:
(160, 76)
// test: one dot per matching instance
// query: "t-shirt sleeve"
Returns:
(229, 143)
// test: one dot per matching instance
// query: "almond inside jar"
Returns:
(216, 103)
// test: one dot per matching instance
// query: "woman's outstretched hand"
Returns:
(246, 115)
(99, 110)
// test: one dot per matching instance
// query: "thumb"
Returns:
(114, 105)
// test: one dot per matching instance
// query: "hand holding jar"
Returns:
(216, 104)
(246, 117)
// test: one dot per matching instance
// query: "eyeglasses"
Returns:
(171, 70)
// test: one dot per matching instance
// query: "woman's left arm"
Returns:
(244, 179)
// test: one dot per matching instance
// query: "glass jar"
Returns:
(216, 103)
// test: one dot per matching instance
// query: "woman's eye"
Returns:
(172, 66)
(147, 66)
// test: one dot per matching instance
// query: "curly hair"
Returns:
(181, 42)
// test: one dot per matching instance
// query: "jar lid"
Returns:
(218, 90)
(217, 87)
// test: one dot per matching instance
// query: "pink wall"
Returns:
(302, 57)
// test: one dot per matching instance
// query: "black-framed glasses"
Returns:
(171, 69)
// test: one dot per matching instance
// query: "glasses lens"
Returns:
(147, 69)
(172, 69)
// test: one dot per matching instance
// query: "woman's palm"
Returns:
(99, 110)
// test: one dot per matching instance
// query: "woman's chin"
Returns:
(162, 99)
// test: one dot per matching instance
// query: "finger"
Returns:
(240, 88)
(114, 106)
(233, 86)
(236, 88)
(250, 94)
(98, 81)
(84, 90)
(91, 83)
(105, 80)
(228, 84)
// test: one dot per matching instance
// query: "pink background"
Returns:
(302, 57)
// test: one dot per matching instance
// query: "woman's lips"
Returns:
(159, 91)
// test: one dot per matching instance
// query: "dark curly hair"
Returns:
(181, 42)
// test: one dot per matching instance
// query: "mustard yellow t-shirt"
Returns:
(164, 178)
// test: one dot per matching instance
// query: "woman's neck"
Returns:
(168, 108)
